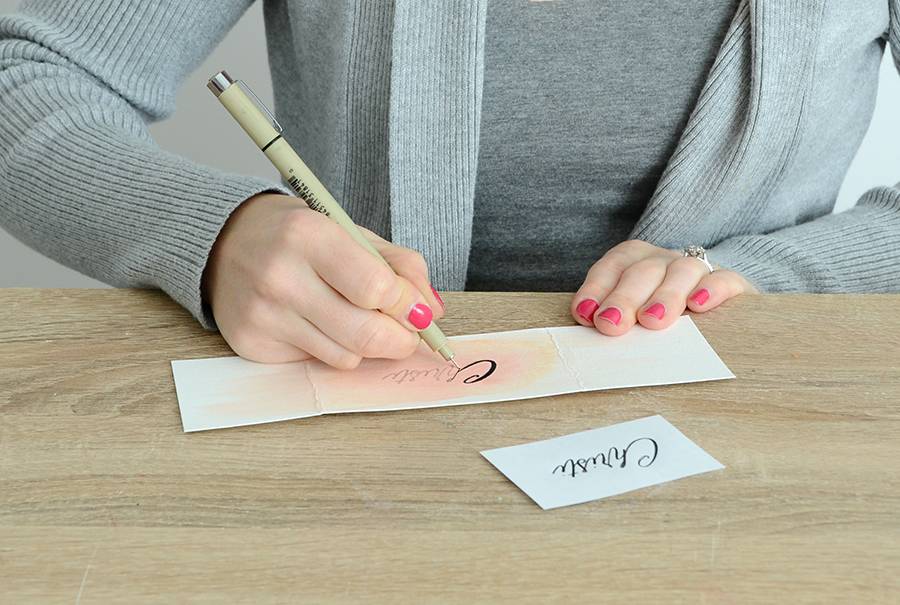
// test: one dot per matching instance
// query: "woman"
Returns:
(511, 143)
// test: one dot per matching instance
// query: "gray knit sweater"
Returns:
(383, 101)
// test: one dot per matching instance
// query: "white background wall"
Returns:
(201, 130)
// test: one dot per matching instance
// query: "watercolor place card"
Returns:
(602, 462)
(502, 366)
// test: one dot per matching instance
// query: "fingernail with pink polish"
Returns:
(657, 310)
(611, 314)
(437, 296)
(700, 296)
(420, 316)
(587, 308)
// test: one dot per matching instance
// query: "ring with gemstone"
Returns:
(699, 253)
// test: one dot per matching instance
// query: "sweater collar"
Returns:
(435, 114)
(731, 153)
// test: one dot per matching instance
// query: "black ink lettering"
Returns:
(604, 460)
(492, 365)
(445, 373)
(645, 457)
(566, 467)
(613, 455)
(402, 376)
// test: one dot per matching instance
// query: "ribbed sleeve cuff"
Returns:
(894, 31)
(853, 251)
(771, 265)
(183, 261)
(219, 194)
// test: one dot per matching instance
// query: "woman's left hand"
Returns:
(637, 282)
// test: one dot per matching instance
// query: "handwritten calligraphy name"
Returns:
(612, 457)
(473, 372)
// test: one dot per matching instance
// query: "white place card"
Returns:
(601, 462)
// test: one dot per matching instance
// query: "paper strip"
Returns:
(501, 366)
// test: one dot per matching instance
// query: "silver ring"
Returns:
(699, 253)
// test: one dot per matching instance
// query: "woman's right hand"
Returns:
(286, 283)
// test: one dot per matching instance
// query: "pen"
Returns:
(265, 131)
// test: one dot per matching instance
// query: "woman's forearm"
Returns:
(857, 250)
(80, 178)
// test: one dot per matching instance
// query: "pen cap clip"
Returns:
(260, 105)
(221, 82)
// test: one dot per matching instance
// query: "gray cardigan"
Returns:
(383, 101)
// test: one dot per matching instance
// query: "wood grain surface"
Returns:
(104, 499)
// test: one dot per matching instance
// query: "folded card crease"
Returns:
(308, 370)
(562, 356)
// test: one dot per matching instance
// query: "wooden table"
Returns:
(103, 498)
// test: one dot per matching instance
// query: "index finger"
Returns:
(361, 277)
(603, 276)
